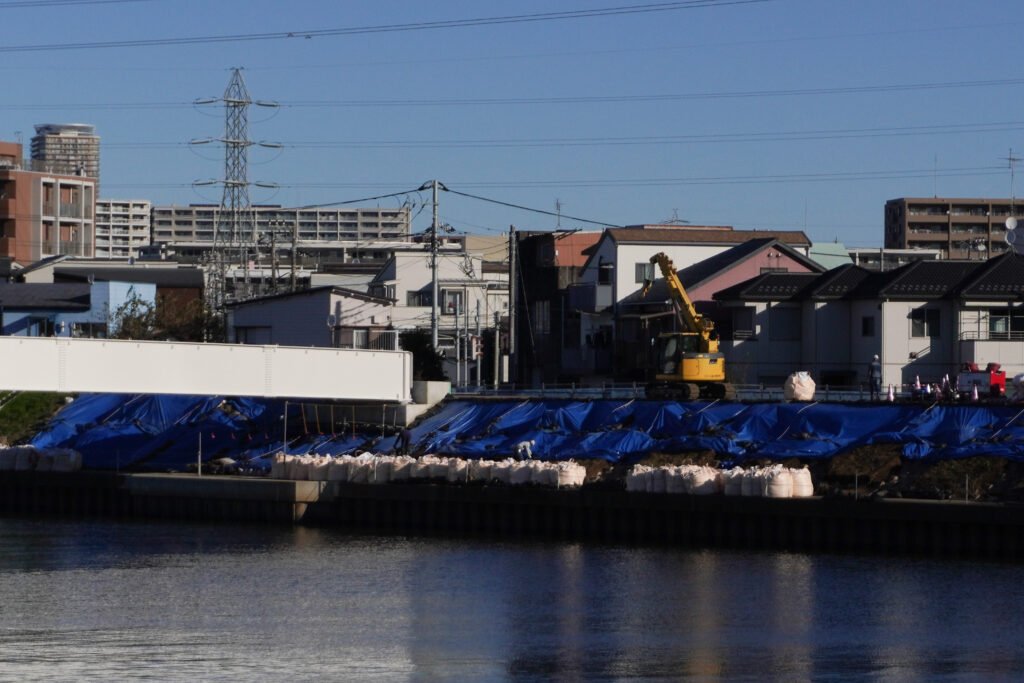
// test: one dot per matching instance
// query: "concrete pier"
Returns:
(935, 528)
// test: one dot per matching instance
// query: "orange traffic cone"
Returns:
(892, 397)
(917, 383)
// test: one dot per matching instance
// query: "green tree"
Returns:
(134, 319)
(169, 320)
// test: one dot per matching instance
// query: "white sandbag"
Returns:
(799, 387)
(359, 471)
(732, 482)
(66, 460)
(569, 474)
(656, 480)
(8, 456)
(25, 458)
(702, 481)
(439, 469)
(636, 480)
(458, 470)
(779, 483)
(401, 468)
(520, 473)
(337, 470)
(753, 483)
(480, 470)
(420, 469)
(803, 487)
(319, 468)
(45, 461)
(380, 470)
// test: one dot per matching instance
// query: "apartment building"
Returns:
(67, 148)
(196, 224)
(122, 227)
(43, 214)
(956, 228)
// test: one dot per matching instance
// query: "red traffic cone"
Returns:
(892, 396)
(974, 393)
(917, 383)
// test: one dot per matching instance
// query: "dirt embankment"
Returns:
(871, 471)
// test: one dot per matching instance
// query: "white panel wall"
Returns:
(102, 365)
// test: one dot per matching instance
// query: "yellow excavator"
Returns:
(690, 365)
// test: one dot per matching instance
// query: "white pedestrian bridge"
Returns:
(57, 364)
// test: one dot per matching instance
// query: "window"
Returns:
(644, 272)
(89, 330)
(451, 301)
(605, 271)
(773, 270)
(743, 323)
(418, 298)
(924, 322)
(784, 323)
(41, 327)
(867, 326)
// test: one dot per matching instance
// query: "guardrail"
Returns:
(635, 390)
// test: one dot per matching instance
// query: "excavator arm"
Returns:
(689, 319)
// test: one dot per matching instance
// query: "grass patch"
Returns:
(28, 412)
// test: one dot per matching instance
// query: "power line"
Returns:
(389, 28)
(774, 136)
(17, 4)
(581, 99)
(526, 208)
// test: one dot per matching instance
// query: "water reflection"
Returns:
(114, 600)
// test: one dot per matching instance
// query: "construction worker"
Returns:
(875, 378)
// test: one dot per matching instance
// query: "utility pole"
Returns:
(476, 354)
(512, 302)
(295, 241)
(433, 272)
(497, 348)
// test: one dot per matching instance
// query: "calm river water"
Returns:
(206, 602)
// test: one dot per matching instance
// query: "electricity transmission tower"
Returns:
(234, 234)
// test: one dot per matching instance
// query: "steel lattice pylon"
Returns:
(234, 235)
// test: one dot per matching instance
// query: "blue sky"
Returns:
(773, 114)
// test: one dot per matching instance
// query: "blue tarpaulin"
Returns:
(159, 432)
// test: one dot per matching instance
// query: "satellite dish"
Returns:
(980, 246)
(1011, 223)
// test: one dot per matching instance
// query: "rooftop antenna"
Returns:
(558, 210)
(935, 176)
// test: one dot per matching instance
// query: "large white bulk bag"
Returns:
(420, 469)
(44, 463)
(319, 468)
(502, 471)
(570, 474)
(278, 469)
(480, 470)
(732, 482)
(401, 468)
(520, 473)
(439, 468)
(799, 387)
(753, 483)
(780, 484)
(359, 471)
(380, 470)
(675, 479)
(8, 456)
(66, 460)
(458, 470)
(803, 487)
(337, 470)
(636, 480)
(25, 458)
(702, 481)
(656, 480)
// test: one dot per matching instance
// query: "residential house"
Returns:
(619, 264)
(321, 316)
(547, 331)
(66, 309)
(924, 320)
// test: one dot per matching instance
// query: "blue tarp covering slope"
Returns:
(157, 432)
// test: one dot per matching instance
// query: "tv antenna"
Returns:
(1011, 220)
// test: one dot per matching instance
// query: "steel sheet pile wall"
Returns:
(119, 366)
